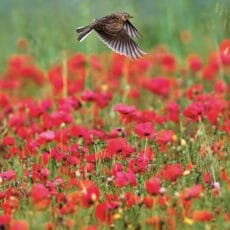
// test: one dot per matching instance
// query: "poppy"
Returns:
(153, 185)
(202, 215)
(144, 130)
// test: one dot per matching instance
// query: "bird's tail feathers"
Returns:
(83, 32)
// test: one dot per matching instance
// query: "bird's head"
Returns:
(125, 16)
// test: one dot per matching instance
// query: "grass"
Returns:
(50, 26)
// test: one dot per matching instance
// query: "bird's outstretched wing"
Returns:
(122, 43)
(131, 29)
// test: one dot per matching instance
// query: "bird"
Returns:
(117, 32)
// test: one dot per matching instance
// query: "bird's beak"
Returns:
(130, 17)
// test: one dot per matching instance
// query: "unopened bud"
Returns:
(183, 142)
(93, 197)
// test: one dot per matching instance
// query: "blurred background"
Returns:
(49, 26)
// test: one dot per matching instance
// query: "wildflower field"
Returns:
(96, 141)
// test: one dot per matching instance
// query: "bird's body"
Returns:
(116, 31)
(111, 23)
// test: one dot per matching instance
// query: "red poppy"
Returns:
(144, 130)
(118, 167)
(103, 99)
(192, 192)
(131, 177)
(8, 175)
(220, 87)
(194, 62)
(117, 132)
(55, 78)
(134, 93)
(19, 225)
(122, 178)
(214, 111)
(168, 62)
(194, 111)
(56, 118)
(76, 61)
(138, 165)
(66, 104)
(148, 201)
(90, 227)
(4, 99)
(5, 220)
(226, 126)
(202, 215)
(154, 221)
(147, 116)
(173, 111)
(207, 178)
(47, 135)
(164, 136)
(209, 71)
(95, 63)
(153, 185)
(80, 132)
(193, 91)
(171, 172)
(88, 95)
(225, 52)
(124, 109)
(35, 110)
(158, 85)
(104, 211)
(130, 199)
(117, 65)
(38, 193)
(8, 141)
(118, 146)
(23, 68)
(89, 192)
(10, 204)
(49, 226)
(146, 154)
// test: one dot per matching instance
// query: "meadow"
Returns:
(92, 140)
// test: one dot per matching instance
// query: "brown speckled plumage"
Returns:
(117, 32)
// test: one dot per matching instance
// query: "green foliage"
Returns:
(50, 25)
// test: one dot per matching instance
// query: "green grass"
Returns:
(50, 26)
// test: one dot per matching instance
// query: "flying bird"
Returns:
(117, 32)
